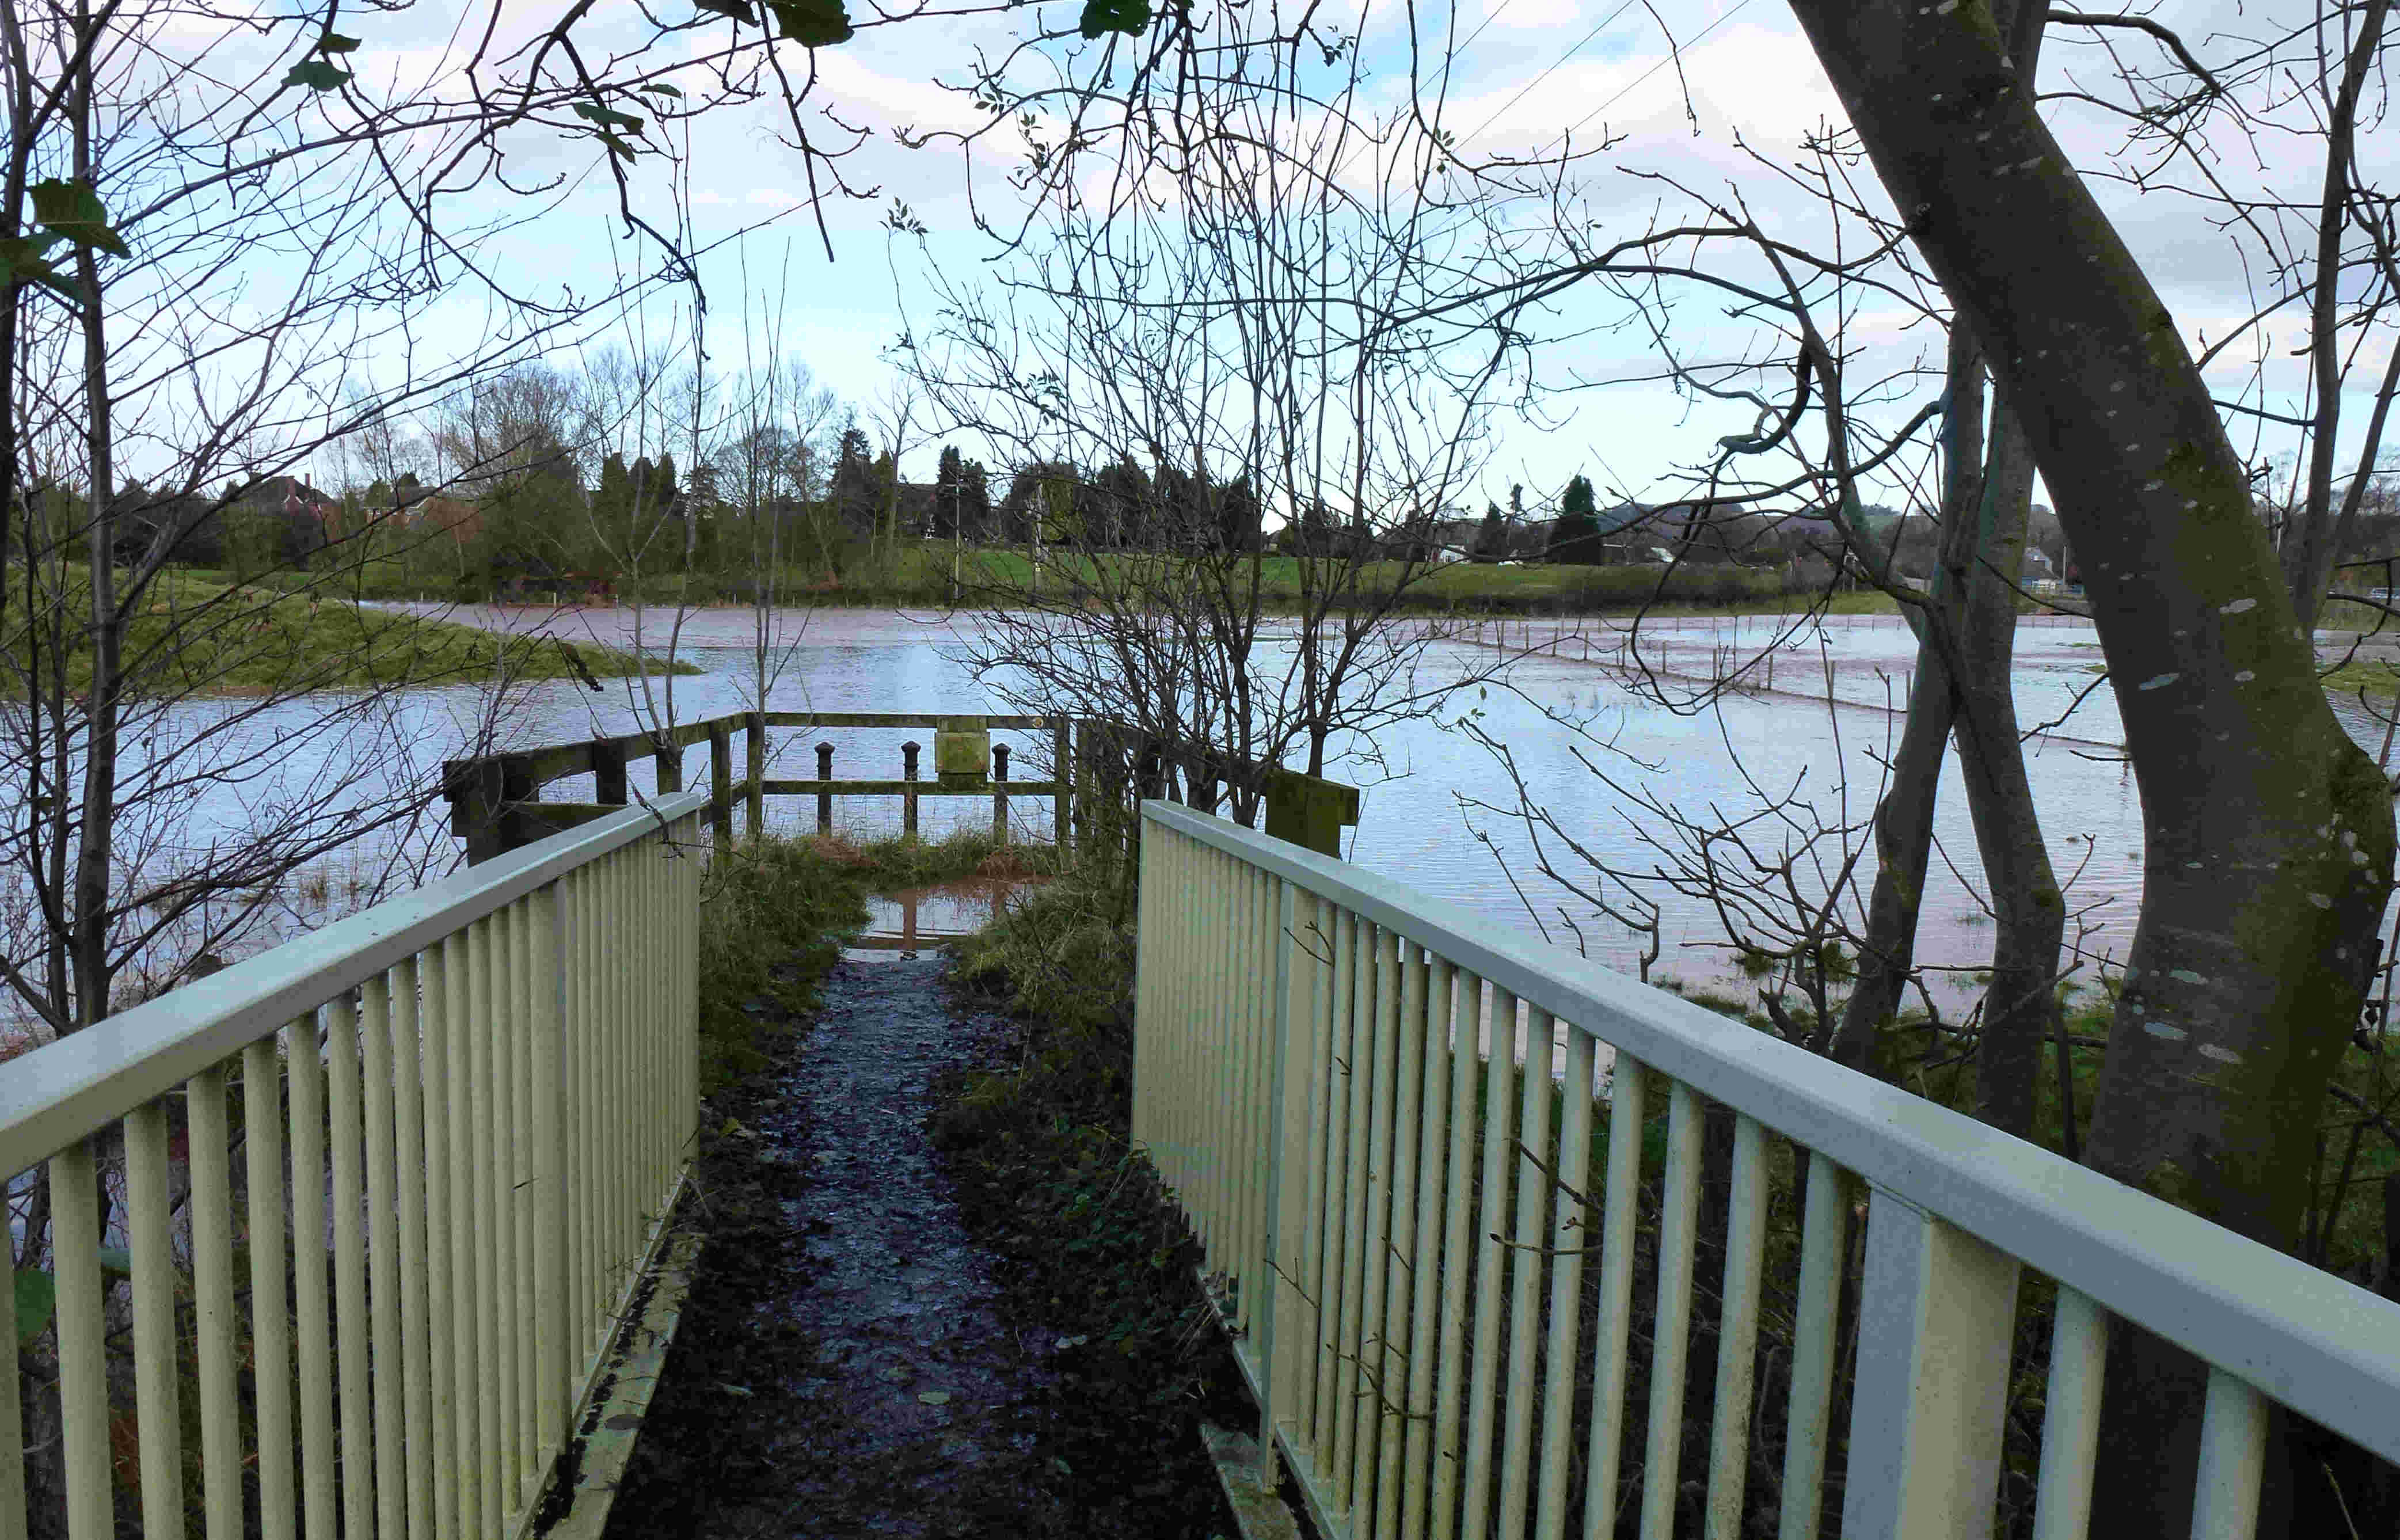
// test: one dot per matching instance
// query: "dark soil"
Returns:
(851, 1360)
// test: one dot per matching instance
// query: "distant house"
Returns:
(1452, 539)
(460, 520)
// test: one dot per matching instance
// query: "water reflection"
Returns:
(913, 919)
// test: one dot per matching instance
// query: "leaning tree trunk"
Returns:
(1903, 821)
(2269, 834)
(2021, 1006)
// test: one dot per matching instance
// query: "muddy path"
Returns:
(849, 1362)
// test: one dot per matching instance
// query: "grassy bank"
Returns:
(2375, 677)
(930, 576)
(199, 636)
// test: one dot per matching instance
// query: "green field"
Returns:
(198, 635)
(922, 576)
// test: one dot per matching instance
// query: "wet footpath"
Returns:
(843, 1369)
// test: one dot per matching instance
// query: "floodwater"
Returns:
(1773, 767)
(916, 919)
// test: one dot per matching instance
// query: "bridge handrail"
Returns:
(68, 1089)
(1955, 1205)
(487, 1090)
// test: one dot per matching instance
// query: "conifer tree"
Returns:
(1577, 537)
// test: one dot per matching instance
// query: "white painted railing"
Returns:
(390, 1265)
(1403, 1238)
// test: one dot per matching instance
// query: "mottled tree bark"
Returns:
(2268, 835)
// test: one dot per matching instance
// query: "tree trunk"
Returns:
(1904, 824)
(95, 859)
(2269, 834)
(2021, 1005)
(2310, 549)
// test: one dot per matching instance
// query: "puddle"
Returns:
(904, 923)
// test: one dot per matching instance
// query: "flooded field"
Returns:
(1809, 731)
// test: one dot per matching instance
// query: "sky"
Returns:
(1530, 70)
(1732, 95)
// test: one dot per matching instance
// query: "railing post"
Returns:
(999, 793)
(1936, 1313)
(668, 755)
(1058, 772)
(825, 798)
(1279, 1132)
(754, 735)
(554, 1328)
(720, 786)
(908, 752)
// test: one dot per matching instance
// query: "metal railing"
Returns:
(1324, 1075)
(385, 1190)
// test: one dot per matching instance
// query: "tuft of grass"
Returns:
(1063, 954)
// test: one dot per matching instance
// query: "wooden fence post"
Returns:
(754, 732)
(720, 786)
(1059, 771)
(825, 798)
(999, 793)
(668, 756)
(1083, 805)
(908, 752)
(474, 790)
(517, 787)
(608, 770)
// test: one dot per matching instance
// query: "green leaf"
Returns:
(738, 9)
(333, 42)
(22, 261)
(73, 211)
(608, 117)
(1129, 17)
(660, 88)
(317, 75)
(815, 23)
(37, 1298)
(617, 146)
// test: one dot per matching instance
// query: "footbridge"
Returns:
(360, 1235)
